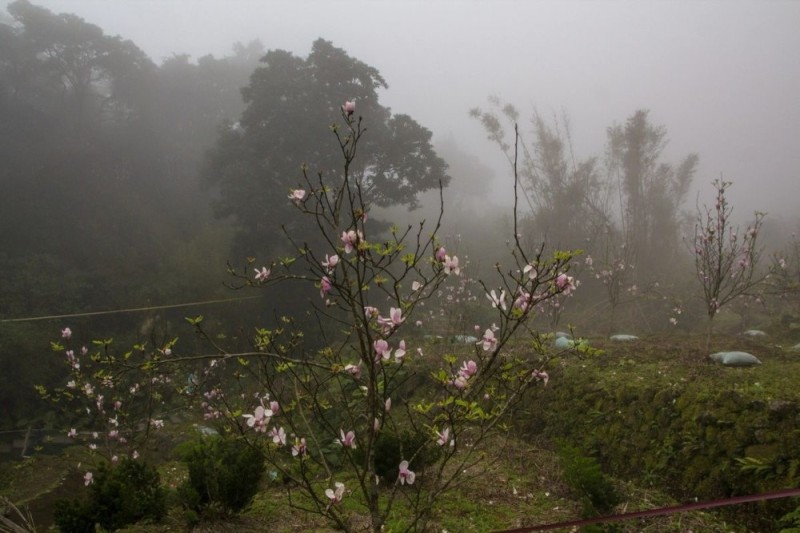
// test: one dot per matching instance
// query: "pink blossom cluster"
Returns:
(449, 264)
(467, 370)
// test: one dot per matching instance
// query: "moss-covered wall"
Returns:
(689, 427)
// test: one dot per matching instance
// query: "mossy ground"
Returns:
(655, 411)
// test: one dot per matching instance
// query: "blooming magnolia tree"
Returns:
(726, 261)
(331, 412)
(784, 275)
(612, 269)
(326, 410)
(113, 402)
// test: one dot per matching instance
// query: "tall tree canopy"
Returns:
(101, 152)
(100, 203)
(566, 194)
(652, 190)
(290, 102)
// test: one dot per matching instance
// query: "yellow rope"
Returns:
(131, 310)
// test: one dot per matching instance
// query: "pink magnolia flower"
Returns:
(72, 433)
(415, 285)
(382, 350)
(297, 196)
(353, 370)
(444, 438)
(330, 262)
(441, 253)
(347, 440)
(324, 286)
(541, 375)
(335, 496)
(489, 341)
(299, 447)
(394, 320)
(400, 352)
(135, 454)
(263, 274)
(278, 436)
(274, 407)
(349, 107)
(88, 478)
(459, 382)
(523, 300)
(371, 312)
(530, 270)
(387, 405)
(451, 265)
(350, 239)
(259, 419)
(396, 316)
(498, 301)
(405, 475)
(565, 283)
(66, 333)
(71, 358)
(468, 369)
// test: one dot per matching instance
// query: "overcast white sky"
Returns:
(723, 76)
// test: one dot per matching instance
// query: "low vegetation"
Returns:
(641, 425)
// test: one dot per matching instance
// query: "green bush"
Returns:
(224, 474)
(584, 476)
(391, 448)
(121, 495)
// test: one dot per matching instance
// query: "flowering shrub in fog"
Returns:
(726, 260)
(322, 408)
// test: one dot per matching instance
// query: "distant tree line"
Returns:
(127, 183)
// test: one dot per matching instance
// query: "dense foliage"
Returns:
(224, 474)
(120, 495)
(261, 157)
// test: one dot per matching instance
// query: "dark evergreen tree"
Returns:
(289, 100)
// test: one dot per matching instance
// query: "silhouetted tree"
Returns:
(652, 191)
(567, 197)
(257, 160)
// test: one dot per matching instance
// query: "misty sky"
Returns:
(722, 76)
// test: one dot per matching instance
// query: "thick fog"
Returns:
(721, 76)
(195, 226)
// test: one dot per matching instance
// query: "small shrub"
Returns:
(584, 476)
(224, 474)
(391, 448)
(791, 522)
(121, 495)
